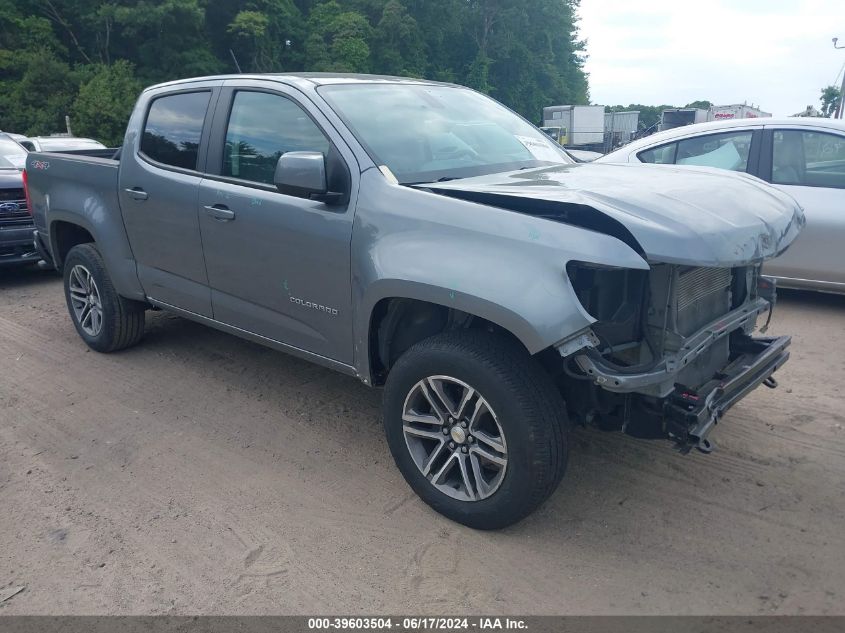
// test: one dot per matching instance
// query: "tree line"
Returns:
(89, 58)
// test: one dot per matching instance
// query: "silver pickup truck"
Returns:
(426, 239)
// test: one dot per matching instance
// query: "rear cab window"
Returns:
(173, 129)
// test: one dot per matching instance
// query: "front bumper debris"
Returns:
(659, 380)
(689, 415)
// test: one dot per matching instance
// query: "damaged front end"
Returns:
(671, 349)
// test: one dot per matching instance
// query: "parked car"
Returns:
(16, 225)
(804, 157)
(15, 137)
(446, 250)
(60, 143)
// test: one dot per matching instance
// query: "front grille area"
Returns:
(13, 195)
(13, 209)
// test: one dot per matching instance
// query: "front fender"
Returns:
(506, 267)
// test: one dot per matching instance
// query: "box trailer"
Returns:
(676, 117)
(736, 111)
(620, 127)
(579, 125)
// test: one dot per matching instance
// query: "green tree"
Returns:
(26, 107)
(105, 102)
(337, 41)
(830, 98)
(56, 56)
(398, 43)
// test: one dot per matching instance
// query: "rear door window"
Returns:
(725, 151)
(811, 159)
(173, 129)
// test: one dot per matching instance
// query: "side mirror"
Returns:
(301, 174)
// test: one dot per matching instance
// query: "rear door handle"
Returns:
(136, 193)
(220, 212)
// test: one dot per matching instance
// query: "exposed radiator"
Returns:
(694, 297)
(695, 284)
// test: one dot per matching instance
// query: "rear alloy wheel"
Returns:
(85, 300)
(476, 426)
(103, 319)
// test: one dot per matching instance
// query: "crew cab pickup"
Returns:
(426, 239)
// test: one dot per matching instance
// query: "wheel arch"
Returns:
(417, 311)
(397, 323)
(67, 229)
(64, 235)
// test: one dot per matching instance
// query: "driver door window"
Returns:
(261, 128)
(810, 159)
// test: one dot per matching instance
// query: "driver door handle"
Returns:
(136, 193)
(220, 212)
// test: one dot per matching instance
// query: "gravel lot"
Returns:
(198, 473)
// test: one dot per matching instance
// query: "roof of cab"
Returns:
(306, 79)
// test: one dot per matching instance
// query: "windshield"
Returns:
(424, 133)
(12, 155)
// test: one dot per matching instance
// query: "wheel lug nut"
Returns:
(452, 445)
(470, 439)
(445, 431)
(464, 449)
(464, 424)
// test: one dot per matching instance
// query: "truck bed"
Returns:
(77, 188)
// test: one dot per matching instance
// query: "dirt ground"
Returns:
(198, 473)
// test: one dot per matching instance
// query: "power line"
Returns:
(839, 74)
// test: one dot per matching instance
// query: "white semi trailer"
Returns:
(578, 125)
(676, 117)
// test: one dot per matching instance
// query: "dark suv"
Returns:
(16, 225)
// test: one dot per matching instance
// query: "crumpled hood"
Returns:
(680, 215)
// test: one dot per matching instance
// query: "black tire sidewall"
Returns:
(506, 505)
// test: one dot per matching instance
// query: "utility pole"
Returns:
(841, 107)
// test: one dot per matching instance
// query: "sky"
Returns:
(776, 54)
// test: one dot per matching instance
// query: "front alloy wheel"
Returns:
(454, 438)
(476, 426)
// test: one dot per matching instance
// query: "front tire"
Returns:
(106, 321)
(476, 427)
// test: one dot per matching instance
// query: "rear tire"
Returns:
(106, 321)
(493, 461)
